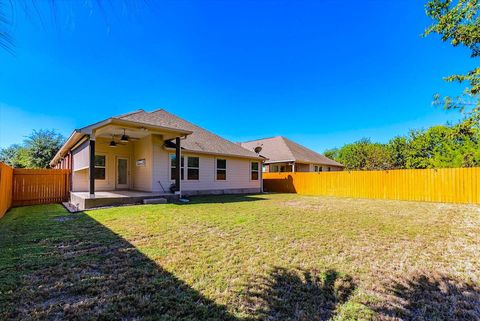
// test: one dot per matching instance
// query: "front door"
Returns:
(122, 173)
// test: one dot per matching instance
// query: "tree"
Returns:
(331, 153)
(41, 146)
(364, 155)
(436, 147)
(458, 22)
(398, 150)
(14, 156)
(37, 150)
(443, 146)
(41, 10)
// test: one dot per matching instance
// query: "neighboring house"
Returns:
(284, 155)
(155, 152)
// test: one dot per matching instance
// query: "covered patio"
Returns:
(84, 200)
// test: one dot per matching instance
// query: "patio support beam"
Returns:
(91, 175)
(178, 164)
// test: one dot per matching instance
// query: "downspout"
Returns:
(261, 177)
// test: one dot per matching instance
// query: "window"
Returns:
(221, 169)
(100, 170)
(329, 169)
(318, 168)
(254, 171)
(173, 167)
(278, 168)
(193, 168)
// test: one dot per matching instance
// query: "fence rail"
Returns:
(6, 178)
(450, 185)
(20, 187)
(40, 186)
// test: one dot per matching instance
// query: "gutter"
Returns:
(74, 138)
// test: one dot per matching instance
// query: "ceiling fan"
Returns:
(114, 144)
(124, 139)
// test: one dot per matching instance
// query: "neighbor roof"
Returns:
(200, 140)
(281, 149)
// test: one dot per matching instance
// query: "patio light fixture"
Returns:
(124, 138)
(112, 143)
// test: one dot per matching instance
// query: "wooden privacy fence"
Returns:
(6, 179)
(40, 186)
(32, 186)
(451, 185)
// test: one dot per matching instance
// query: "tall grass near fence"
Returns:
(450, 185)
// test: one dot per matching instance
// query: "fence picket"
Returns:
(20, 187)
(454, 185)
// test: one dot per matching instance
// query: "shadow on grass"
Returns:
(298, 294)
(53, 268)
(82, 270)
(223, 199)
(71, 267)
(428, 296)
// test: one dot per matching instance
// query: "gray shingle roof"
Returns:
(201, 140)
(283, 149)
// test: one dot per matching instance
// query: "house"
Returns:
(284, 155)
(142, 155)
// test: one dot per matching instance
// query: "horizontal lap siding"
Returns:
(453, 185)
(238, 172)
(238, 175)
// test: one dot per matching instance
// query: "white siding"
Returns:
(155, 175)
(161, 166)
(238, 174)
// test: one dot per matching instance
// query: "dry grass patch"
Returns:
(263, 257)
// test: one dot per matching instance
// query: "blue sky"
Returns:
(323, 73)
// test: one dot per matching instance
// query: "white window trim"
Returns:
(106, 171)
(226, 166)
(251, 171)
(187, 167)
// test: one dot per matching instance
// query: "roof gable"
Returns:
(278, 149)
(200, 140)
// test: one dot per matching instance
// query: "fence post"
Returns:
(6, 193)
(453, 185)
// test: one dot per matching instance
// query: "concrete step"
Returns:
(159, 200)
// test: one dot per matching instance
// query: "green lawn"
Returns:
(261, 257)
